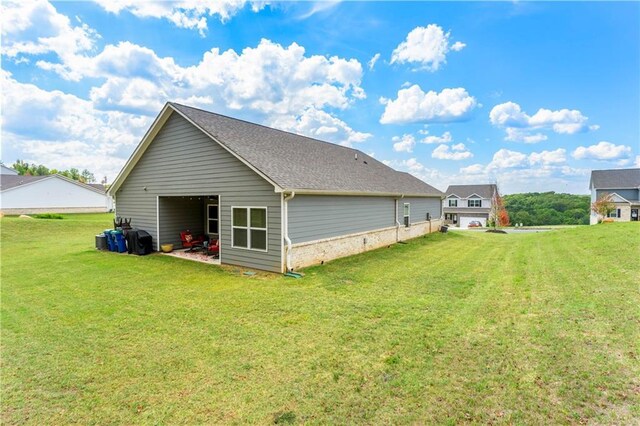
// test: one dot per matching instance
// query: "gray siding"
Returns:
(183, 161)
(469, 211)
(628, 194)
(178, 214)
(419, 207)
(314, 217)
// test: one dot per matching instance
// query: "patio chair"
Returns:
(190, 242)
(213, 248)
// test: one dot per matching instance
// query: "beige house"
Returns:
(624, 187)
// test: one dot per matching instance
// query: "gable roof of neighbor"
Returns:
(6, 170)
(465, 191)
(615, 179)
(297, 163)
(14, 181)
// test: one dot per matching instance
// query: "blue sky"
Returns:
(531, 95)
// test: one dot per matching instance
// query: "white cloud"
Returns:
(190, 14)
(454, 152)
(373, 60)
(36, 28)
(474, 169)
(458, 46)
(519, 135)
(427, 46)
(413, 105)
(505, 158)
(548, 157)
(602, 151)
(518, 124)
(320, 125)
(404, 143)
(65, 131)
(637, 162)
(431, 139)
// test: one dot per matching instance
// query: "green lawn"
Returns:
(452, 328)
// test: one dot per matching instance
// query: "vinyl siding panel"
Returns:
(182, 161)
(627, 194)
(314, 217)
(419, 207)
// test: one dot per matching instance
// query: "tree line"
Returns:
(26, 169)
(548, 208)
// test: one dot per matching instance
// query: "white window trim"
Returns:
(408, 215)
(249, 228)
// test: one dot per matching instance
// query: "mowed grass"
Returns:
(451, 328)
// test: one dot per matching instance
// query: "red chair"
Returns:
(213, 249)
(190, 242)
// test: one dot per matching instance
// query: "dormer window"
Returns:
(453, 202)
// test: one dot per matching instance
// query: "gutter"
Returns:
(359, 193)
(287, 240)
(396, 218)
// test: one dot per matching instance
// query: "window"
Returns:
(407, 211)
(475, 203)
(212, 218)
(249, 228)
(453, 203)
(615, 213)
(451, 216)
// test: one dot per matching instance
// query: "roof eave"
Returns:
(359, 193)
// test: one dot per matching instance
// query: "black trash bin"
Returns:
(444, 228)
(139, 242)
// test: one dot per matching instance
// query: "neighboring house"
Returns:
(465, 203)
(50, 194)
(624, 186)
(4, 170)
(275, 200)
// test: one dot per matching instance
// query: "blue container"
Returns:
(121, 245)
(110, 242)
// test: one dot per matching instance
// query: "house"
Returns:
(4, 170)
(465, 203)
(624, 187)
(50, 194)
(275, 200)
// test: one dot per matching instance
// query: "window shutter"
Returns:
(618, 213)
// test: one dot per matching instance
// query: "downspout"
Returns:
(286, 229)
(397, 221)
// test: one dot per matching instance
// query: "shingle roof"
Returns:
(464, 191)
(11, 181)
(615, 179)
(98, 186)
(297, 162)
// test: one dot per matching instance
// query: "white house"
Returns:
(50, 194)
(468, 203)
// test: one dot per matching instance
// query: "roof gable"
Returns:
(467, 191)
(10, 182)
(291, 162)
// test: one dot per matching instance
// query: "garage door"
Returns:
(464, 221)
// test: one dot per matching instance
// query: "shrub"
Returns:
(48, 216)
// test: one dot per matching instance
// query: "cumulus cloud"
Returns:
(404, 143)
(36, 28)
(189, 14)
(66, 131)
(320, 125)
(451, 152)
(473, 169)
(505, 158)
(373, 60)
(602, 151)
(548, 157)
(426, 46)
(519, 135)
(518, 124)
(413, 105)
(431, 139)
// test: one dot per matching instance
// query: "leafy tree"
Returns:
(24, 168)
(603, 206)
(548, 208)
